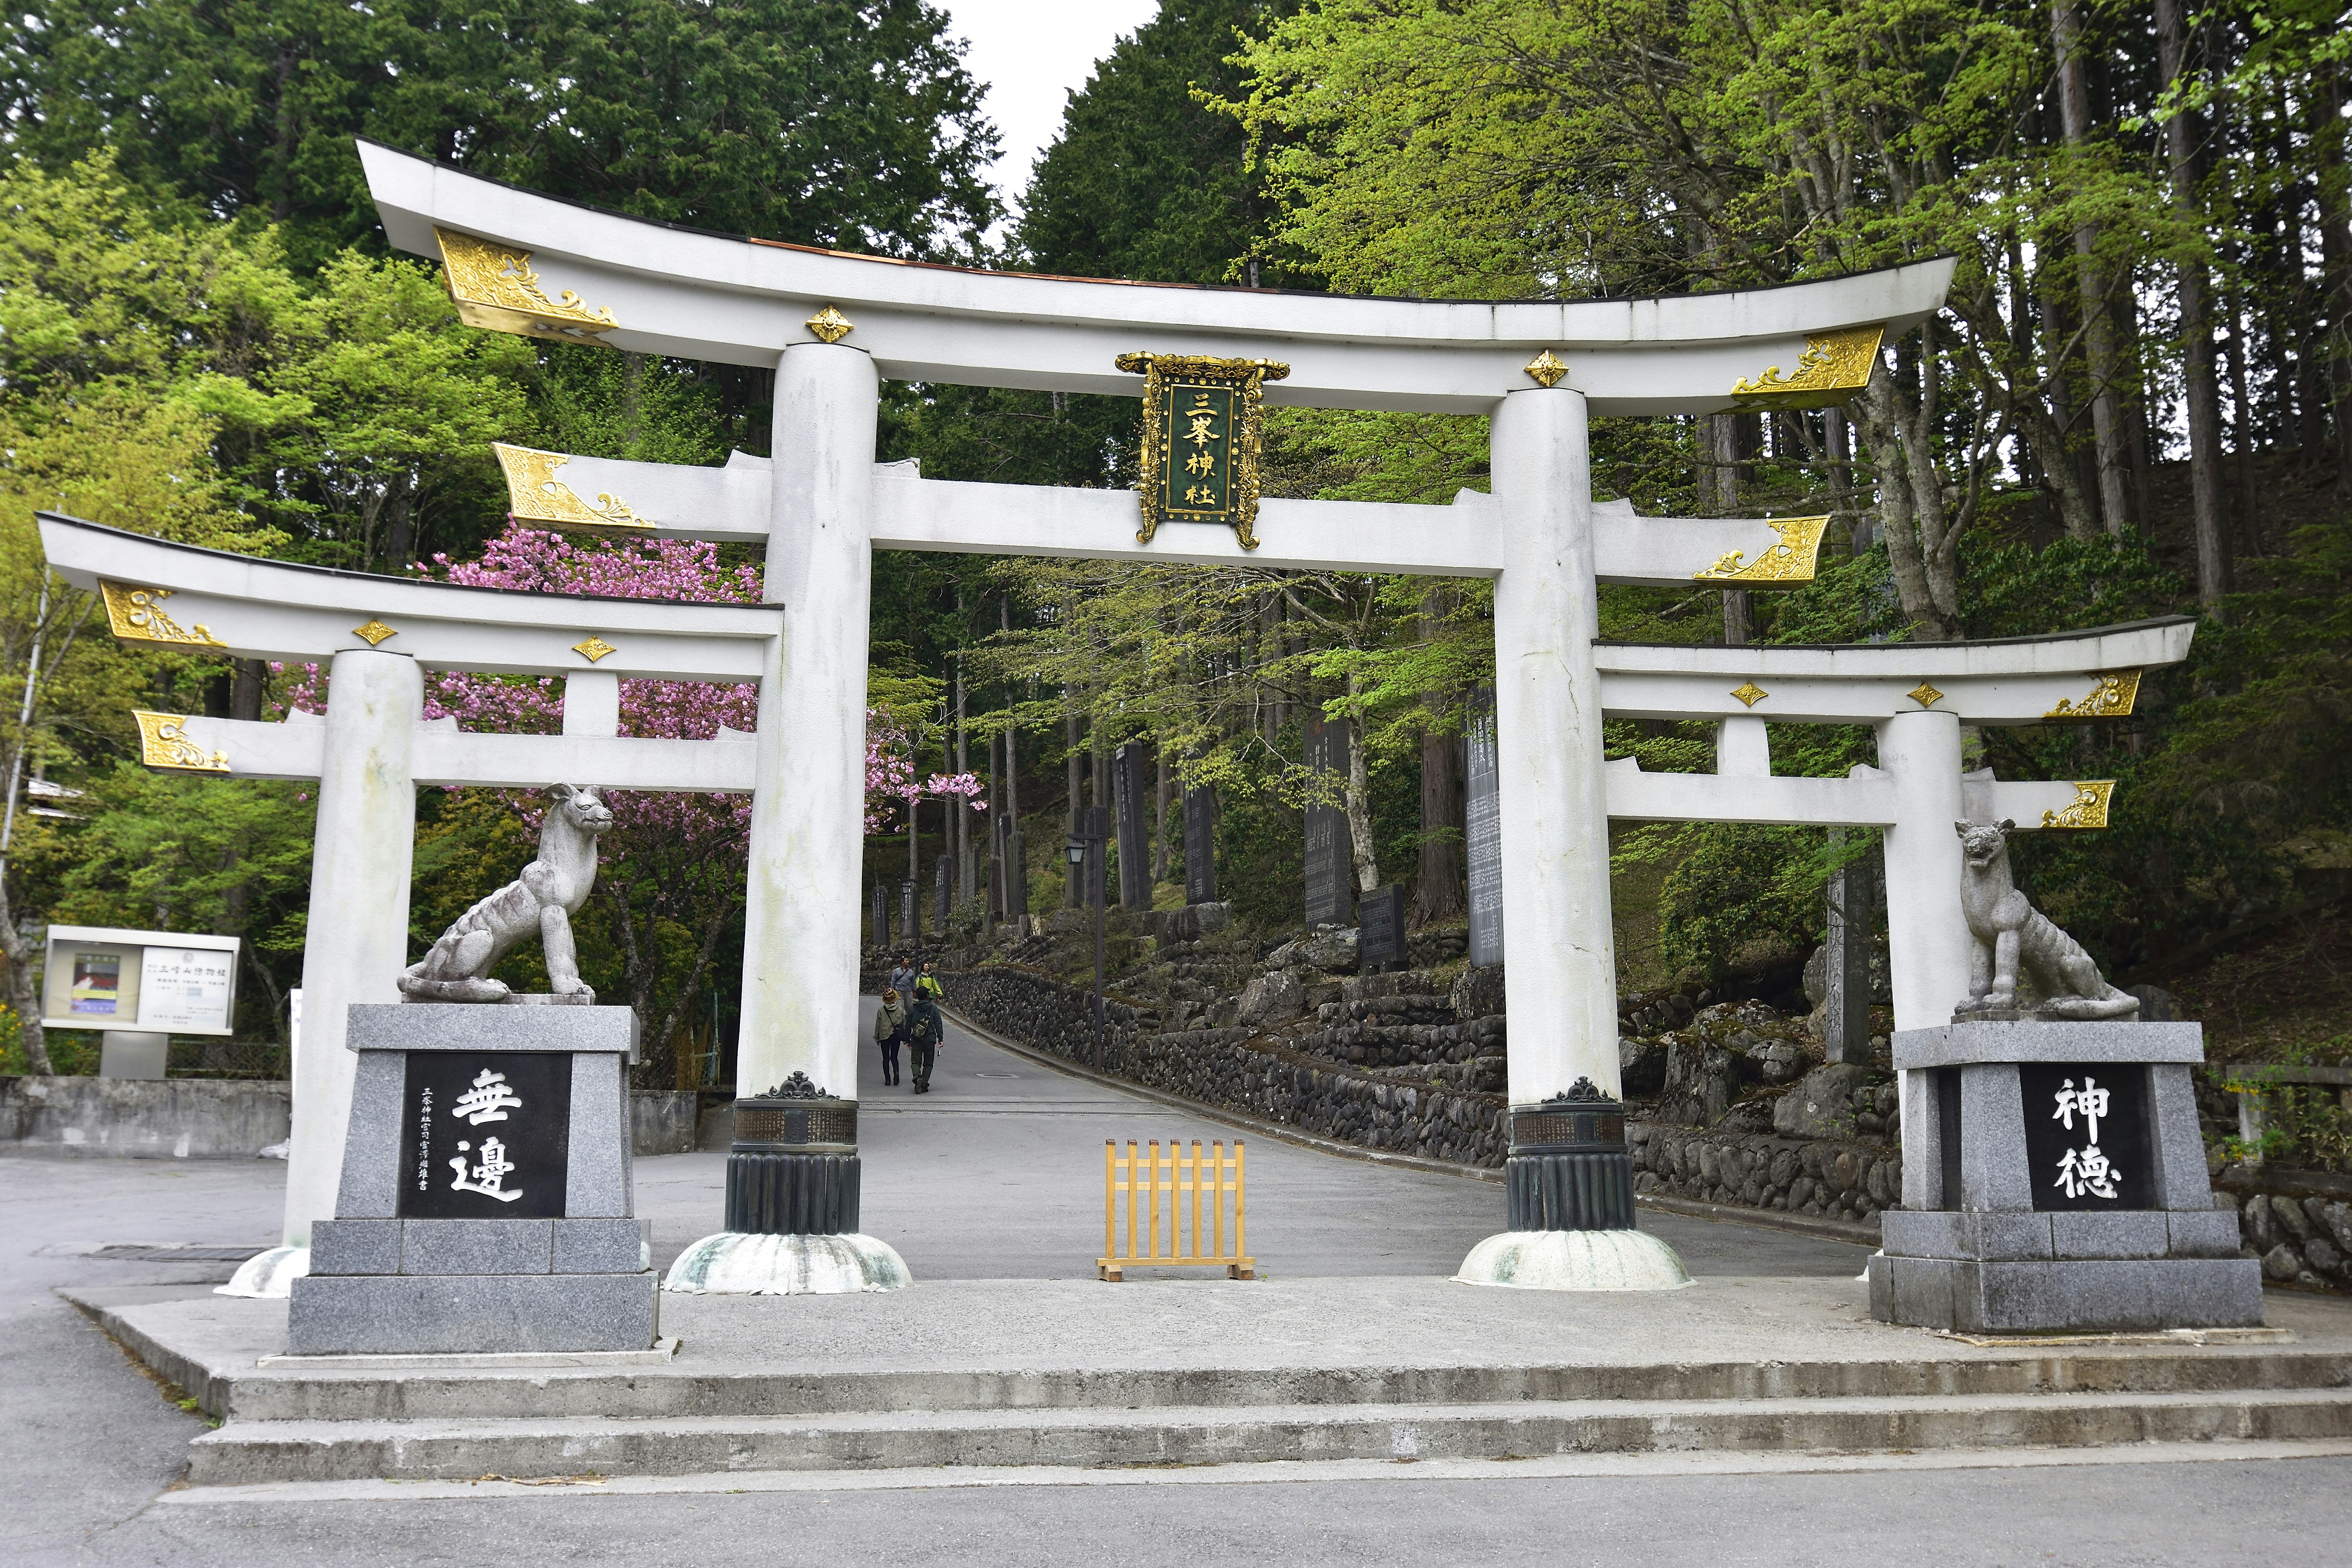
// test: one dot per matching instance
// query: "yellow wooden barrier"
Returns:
(1178, 1175)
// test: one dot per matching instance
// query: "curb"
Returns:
(1772, 1219)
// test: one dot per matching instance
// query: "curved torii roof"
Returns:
(658, 287)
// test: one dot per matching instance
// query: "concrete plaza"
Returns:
(990, 1187)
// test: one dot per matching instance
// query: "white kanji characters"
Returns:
(489, 1176)
(2090, 1101)
(489, 1100)
(2087, 1172)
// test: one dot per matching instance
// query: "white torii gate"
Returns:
(834, 325)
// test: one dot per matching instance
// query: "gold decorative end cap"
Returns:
(1925, 695)
(1790, 558)
(1833, 367)
(136, 614)
(830, 325)
(1546, 368)
(535, 495)
(2089, 809)
(495, 289)
(375, 632)
(1750, 694)
(2112, 698)
(594, 649)
(164, 745)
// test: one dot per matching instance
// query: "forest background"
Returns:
(2138, 401)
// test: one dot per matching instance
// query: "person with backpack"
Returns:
(928, 985)
(889, 1032)
(925, 1027)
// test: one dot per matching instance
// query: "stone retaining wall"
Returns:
(1821, 1177)
(148, 1118)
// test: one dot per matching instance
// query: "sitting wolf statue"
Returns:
(2009, 934)
(541, 902)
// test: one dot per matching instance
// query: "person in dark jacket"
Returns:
(890, 1033)
(925, 1027)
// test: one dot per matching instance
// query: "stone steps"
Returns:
(246, 1452)
(682, 1391)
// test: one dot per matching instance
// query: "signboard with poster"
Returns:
(165, 982)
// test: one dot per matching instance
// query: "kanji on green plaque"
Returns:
(1196, 450)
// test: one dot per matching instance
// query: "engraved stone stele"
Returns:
(2055, 1182)
(2054, 1176)
(2011, 940)
(486, 1204)
(539, 903)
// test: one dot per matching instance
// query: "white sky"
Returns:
(1030, 55)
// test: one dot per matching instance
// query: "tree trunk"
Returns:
(2183, 135)
(2336, 262)
(1073, 775)
(23, 959)
(1438, 885)
(960, 811)
(2099, 337)
(2247, 429)
(1012, 756)
(1359, 799)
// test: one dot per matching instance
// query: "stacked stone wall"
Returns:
(1823, 1178)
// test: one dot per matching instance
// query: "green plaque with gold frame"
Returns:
(1201, 427)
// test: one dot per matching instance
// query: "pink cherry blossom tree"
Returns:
(673, 862)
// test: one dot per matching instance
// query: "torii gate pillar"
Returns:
(793, 1180)
(1568, 1176)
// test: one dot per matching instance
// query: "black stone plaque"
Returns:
(1382, 915)
(1482, 836)
(1134, 848)
(907, 931)
(1199, 844)
(943, 899)
(484, 1135)
(881, 917)
(2072, 1166)
(1330, 892)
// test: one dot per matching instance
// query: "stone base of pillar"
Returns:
(771, 1193)
(268, 1276)
(793, 1170)
(1574, 1260)
(734, 1264)
(1569, 1200)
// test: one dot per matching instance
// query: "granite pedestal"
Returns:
(2054, 1181)
(485, 1202)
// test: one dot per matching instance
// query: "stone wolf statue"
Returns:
(2010, 936)
(540, 902)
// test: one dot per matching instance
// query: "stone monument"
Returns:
(1845, 1032)
(485, 1205)
(1482, 809)
(485, 1202)
(1330, 886)
(1380, 945)
(1134, 843)
(2053, 1179)
(1199, 844)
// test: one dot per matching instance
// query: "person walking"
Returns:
(890, 1033)
(924, 1029)
(902, 978)
(928, 985)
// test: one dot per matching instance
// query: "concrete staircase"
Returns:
(425, 1427)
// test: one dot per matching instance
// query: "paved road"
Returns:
(998, 1175)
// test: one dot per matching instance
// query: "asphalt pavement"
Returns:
(997, 1175)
